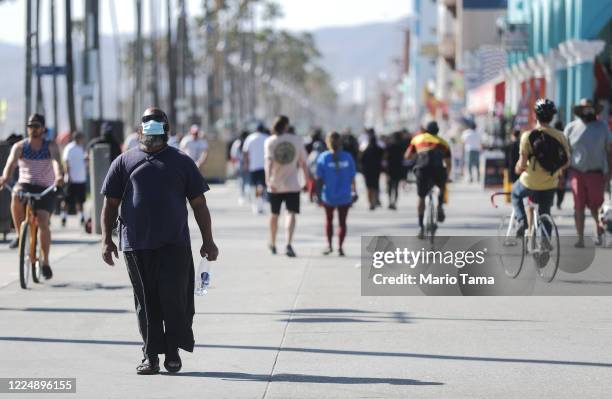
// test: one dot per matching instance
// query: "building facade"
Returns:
(565, 56)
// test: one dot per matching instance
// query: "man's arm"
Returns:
(110, 210)
(304, 164)
(10, 163)
(57, 164)
(202, 216)
(202, 160)
(448, 165)
(410, 154)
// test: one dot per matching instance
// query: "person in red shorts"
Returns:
(590, 142)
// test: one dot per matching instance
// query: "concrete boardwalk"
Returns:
(273, 327)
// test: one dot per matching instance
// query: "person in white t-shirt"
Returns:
(73, 157)
(195, 146)
(472, 145)
(175, 140)
(253, 162)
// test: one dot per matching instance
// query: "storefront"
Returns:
(566, 56)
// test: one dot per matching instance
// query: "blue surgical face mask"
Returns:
(153, 128)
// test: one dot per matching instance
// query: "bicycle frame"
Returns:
(30, 215)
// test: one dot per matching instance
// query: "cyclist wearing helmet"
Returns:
(543, 154)
(433, 165)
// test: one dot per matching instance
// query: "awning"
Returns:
(485, 97)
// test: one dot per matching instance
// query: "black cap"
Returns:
(36, 118)
(432, 128)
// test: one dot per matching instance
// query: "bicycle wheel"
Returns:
(511, 249)
(431, 221)
(24, 255)
(36, 266)
(547, 258)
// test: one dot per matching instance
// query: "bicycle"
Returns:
(29, 250)
(541, 242)
(431, 219)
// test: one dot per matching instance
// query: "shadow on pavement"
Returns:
(326, 310)
(67, 310)
(72, 242)
(91, 286)
(368, 316)
(318, 379)
(327, 320)
(323, 351)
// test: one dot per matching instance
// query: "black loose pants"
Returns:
(163, 282)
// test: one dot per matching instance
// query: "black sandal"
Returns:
(149, 365)
(173, 363)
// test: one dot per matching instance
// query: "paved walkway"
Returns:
(273, 327)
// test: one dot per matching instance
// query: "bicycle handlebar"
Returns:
(25, 194)
(495, 195)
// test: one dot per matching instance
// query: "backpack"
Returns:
(431, 159)
(547, 150)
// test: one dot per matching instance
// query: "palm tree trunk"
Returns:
(69, 66)
(28, 71)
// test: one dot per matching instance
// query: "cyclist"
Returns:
(40, 166)
(432, 168)
(543, 154)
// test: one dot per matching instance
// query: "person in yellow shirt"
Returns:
(541, 161)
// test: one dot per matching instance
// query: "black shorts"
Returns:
(372, 180)
(257, 178)
(46, 203)
(75, 193)
(292, 202)
(427, 178)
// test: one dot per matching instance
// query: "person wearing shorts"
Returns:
(76, 173)
(284, 155)
(590, 143)
(433, 165)
(40, 167)
(253, 161)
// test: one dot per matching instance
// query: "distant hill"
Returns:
(360, 51)
(348, 53)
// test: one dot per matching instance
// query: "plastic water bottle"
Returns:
(202, 277)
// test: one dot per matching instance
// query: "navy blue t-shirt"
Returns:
(153, 207)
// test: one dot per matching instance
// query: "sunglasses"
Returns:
(34, 126)
(153, 117)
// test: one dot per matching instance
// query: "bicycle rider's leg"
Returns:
(440, 177)
(17, 212)
(424, 184)
(518, 193)
(45, 234)
(545, 199)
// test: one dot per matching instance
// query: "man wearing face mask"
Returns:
(151, 184)
(590, 142)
